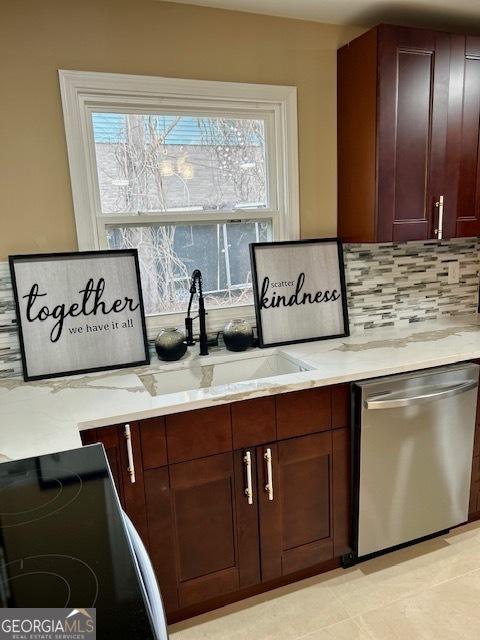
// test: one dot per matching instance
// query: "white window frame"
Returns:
(86, 92)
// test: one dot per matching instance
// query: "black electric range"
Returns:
(63, 542)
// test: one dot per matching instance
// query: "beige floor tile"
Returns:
(429, 591)
(469, 531)
(397, 575)
(449, 611)
(283, 614)
(345, 630)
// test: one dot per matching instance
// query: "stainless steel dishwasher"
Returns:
(412, 455)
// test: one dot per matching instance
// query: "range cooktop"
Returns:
(63, 542)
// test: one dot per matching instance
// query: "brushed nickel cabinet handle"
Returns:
(269, 486)
(131, 463)
(440, 207)
(247, 459)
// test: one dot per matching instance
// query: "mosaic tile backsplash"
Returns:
(388, 285)
(397, 284)
(10, 364)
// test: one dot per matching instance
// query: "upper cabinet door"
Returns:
(462, 202)
(412, 109)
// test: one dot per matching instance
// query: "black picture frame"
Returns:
(15, 259)
(254, 246)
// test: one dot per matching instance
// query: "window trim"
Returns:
(83, 92)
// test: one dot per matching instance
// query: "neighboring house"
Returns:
(173, 164)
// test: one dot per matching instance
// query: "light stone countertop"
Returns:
(47, 416)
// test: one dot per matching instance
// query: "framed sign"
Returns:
(299, 290)
(79, 312)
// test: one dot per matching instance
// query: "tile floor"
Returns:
(430, 591)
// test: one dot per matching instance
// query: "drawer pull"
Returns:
(131, 463)
(247, 459)
(269, 486)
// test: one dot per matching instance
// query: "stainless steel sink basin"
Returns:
(218, 372)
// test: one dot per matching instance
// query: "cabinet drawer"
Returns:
(154, 443)
(195, 434)
(253, 422)
(303, 412)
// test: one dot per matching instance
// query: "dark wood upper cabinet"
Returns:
(463, 151)
(408, 124)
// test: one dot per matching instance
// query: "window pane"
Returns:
(168, 163)
(169, 253)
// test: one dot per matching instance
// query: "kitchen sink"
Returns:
(217, 372)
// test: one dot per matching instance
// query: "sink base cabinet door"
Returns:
(215, 530)
(296, 519)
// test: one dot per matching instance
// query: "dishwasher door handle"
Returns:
(381, 402)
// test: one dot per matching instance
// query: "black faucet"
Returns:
(197, 282)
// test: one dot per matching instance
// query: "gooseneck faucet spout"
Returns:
(196, 288)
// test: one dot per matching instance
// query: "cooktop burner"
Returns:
(63, 542)
(33, 494)
(69, 580)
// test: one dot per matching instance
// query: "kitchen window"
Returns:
(189, 173)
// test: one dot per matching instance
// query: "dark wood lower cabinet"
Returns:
(210, 540)
(205, 528)
(161, 534)
(111, 439)
(131, 494)
(474, 506)
(296, 522)
(231, 523)
(341, 492)
(203, 532)
(247, 521)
